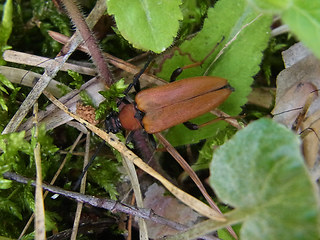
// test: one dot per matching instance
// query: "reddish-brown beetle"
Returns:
(159, 108)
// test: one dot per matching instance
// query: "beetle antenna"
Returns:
(78, 182)
(179, 70)
(136, 83)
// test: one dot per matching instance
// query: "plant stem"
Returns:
(89, 40)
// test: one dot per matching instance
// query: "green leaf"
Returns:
(6, 24)
(3, 103)
(225, 235)
(147, 24)
(303, 19)
(29, 236)
(47, 145)
(6, 82)
(11, 143)
(205, 154)
(261, 172)
(86, 99)
(51, 221)
(193, 12)
(3, 90)
(5, 28)
(105, 173)
(115, 91)
(238, 64)
(78, 81)
(10, 207)
(274, 5)
(5, 183)
(50, 18)
(28, 198)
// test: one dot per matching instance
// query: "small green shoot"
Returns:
(4, 82)
(111, 95)
(86, 99)
(77, 79)
(206, 152)
(106, 174)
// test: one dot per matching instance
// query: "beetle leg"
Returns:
(112, 122)
(152, 140)
(175, 74)
(139, 114)
(129, 138)
(191, 126)
(179, 70)
(136, 82)
(78, 182)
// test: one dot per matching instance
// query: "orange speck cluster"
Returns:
(87, 113)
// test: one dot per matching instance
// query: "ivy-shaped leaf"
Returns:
(147, 24)
(238, 64)
(261, 172)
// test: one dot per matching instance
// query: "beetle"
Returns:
(159, 108)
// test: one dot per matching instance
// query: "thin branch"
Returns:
(39, 223)
(117, 62)
(43, 82)
(82, 190)
(36, 91)
(174, 153)
(84, 229)
(104, 203)
(43, 62)
(53, 118)
(27, 78)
